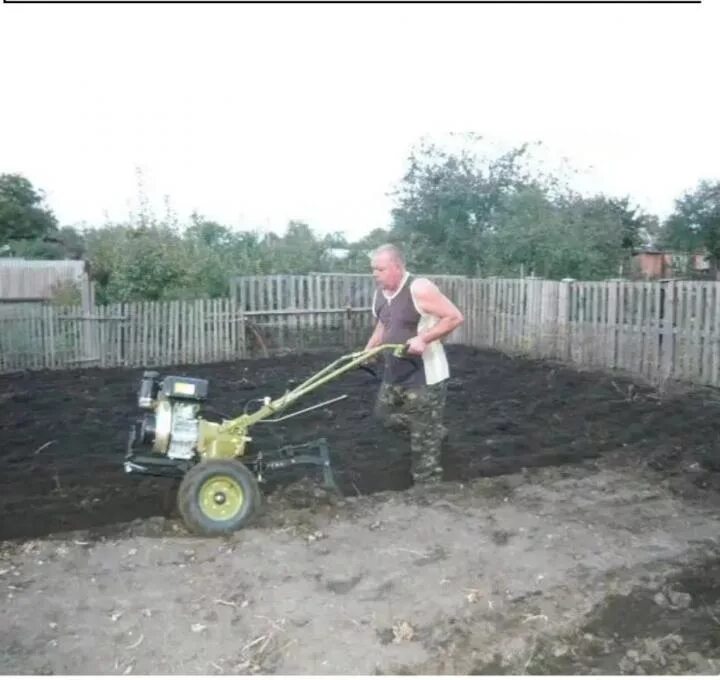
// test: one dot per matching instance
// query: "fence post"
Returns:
(242, 343)
(347, 328)
(668, 310)
(612, 320)
(493, 311)
(563, 318)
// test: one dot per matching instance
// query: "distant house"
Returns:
(338, 253)
(700, 262)
(39, 280)
(666, 264)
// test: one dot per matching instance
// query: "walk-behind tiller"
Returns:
(218, 493)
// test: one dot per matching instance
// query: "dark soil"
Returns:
(517, 564)
(64, 433)
(670, 628)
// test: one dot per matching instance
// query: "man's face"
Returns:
(387, 271)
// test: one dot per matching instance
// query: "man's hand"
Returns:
(416, 345)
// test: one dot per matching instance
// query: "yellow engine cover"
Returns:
(214, 444)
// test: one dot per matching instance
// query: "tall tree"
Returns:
(461, 213)
(449, 201)
(23, 215)
(695, 221)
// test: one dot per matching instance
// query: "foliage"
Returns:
(22, 214)
(455, 211)
(695, 222)
(463, 214)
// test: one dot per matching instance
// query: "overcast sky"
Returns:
(255, 115)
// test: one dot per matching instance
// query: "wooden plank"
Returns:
(223, 330)
(167, 356)
(643, 315)
(689, 328)
(177, 340)
(200, 307)
(584, 352)
(158, 328)
(150, 334)
(189, 331)
(242, 330)
(484, 318)
(635, 357)
(180, 333)
(681, 345)
(144, 332)
(499, 335)
(228, 316)
(511, 305)
(190, 325)
(589, 343)
(593, 323)
(121, 334)
(715, 343)
(253, 288)
(656, 326)
(312, 304)
(618, 290)
(102, 339)
(233, 316)
(132, 329)
(666, 316)
(202, 324)
(621, 335)
(697, 330)
(319, 320)
(216, 330)
(487, 332)
(52, 329)
(160, 358)
(654, 331)
(197, 331)
(280, 304)
(492, 312)
(170, 333)
(635, 311)
(706, 340)
(613, 290)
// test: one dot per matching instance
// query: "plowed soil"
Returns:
(569, 499)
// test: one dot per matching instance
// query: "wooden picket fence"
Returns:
(660, 331)
(167, 333)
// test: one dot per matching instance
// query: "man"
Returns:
(414, 312)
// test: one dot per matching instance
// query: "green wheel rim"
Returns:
(221, 498)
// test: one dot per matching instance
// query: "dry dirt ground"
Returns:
(576, 531)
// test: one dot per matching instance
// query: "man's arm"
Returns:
(431, 301)
(377, 336)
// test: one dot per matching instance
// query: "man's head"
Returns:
(388, 266)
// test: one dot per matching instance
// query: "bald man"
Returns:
(413, 311)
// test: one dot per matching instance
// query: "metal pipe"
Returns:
(305, 410)
(327, 374)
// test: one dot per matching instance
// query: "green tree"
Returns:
(132, 264)
(461, 213)
(448, 201)
(695, 221)
(23, 215)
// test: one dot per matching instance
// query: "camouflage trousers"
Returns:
(419, 411)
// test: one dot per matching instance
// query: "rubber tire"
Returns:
(188, 497)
